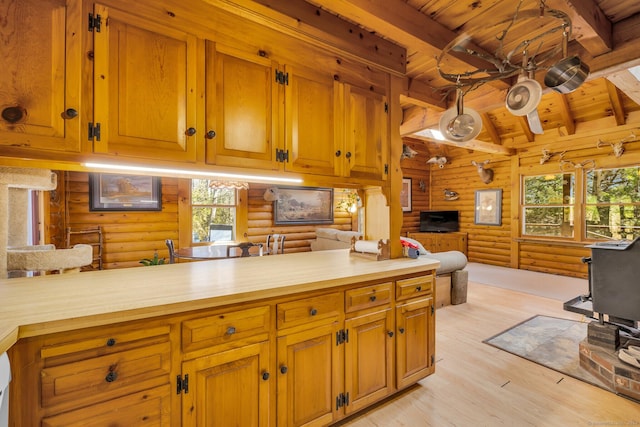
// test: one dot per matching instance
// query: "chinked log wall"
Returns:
(502, 245)
(130, 236)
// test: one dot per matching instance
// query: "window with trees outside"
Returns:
(548, 205)
(213, 212)
(612, 203)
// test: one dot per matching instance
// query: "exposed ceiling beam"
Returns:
(488, 126)
(524, 124)
(627, 83)
(616, 99)
(485, 147)
(591, 28)
(398, 21)
(307, 22)
(415, 119)
(419, 93)
(565, 111)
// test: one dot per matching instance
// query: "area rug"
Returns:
(550, 342)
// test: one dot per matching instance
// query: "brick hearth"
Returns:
(620, 377)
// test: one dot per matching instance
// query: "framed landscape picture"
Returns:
(303, 205)
(405, 195)
(117, 192)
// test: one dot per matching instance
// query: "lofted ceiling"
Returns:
(605, 35)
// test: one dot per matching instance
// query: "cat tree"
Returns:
(15, 252)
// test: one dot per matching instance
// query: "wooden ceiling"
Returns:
(605, 35)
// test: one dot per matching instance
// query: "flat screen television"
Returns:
(439, 221)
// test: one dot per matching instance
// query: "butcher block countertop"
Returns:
(54, 303)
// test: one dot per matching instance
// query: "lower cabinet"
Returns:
(369, 359)
(230, 388)
(310, 377)
(307, 360)
(415, 341)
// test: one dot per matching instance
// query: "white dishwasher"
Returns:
(5, 377)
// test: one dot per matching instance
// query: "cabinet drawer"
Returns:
(368, 296)
(102, 378)
(323, 307)
(149, 407)
(225, 327)
(413, 287)
(82, 345)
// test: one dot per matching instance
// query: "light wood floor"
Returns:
(478, 385)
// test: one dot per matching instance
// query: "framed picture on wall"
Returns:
(303, 205)
(405, 195)
(488, 207)
(117, 192)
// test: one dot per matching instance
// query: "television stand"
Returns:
(442, 242)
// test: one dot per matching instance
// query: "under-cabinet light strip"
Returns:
(191, 173)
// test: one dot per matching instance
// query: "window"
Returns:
(548, 205)
(612, 203)
(213, 212)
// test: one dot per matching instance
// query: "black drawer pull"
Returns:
(265, 376)
(283, 369)
(418, 289)
(211, 134)
(390, 333)
(231, 330)
(372, 298)
(111, 342)
(191, 131)
(313, 312)
(401, 330)
(111, 377)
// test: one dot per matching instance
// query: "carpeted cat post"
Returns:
(15, 253)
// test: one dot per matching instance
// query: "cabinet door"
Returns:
(415, 342)
(369, 359)
(144, 88)
(313, 126)
(230, 388)
(241, 108)
(310, 377)
(452, 242)
(42, 79)
(366, 141)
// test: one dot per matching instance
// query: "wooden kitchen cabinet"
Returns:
(40, 106)
(366, 143)
(442, 242)
(369, 347)
(144, 88)
(241, 114)
(229, 388)
(415, 330)
(313, 125)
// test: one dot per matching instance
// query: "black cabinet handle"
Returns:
(265, 376)
(338, 153)
(348, 155)
(313, 312)
(111, 377)
(283, 369)
(418, 289)
(231, 330)
(211, 134)
(191, 131)
(390, 333)
(111, 342)
(372, 298)
(13, 114)
(69, 113)
(401, 330)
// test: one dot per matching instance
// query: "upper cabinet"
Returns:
(366, 136)
(40, 43)
(313, 136)
(241, 127)
(144, 88)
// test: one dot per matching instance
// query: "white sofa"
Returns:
(331, 238)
